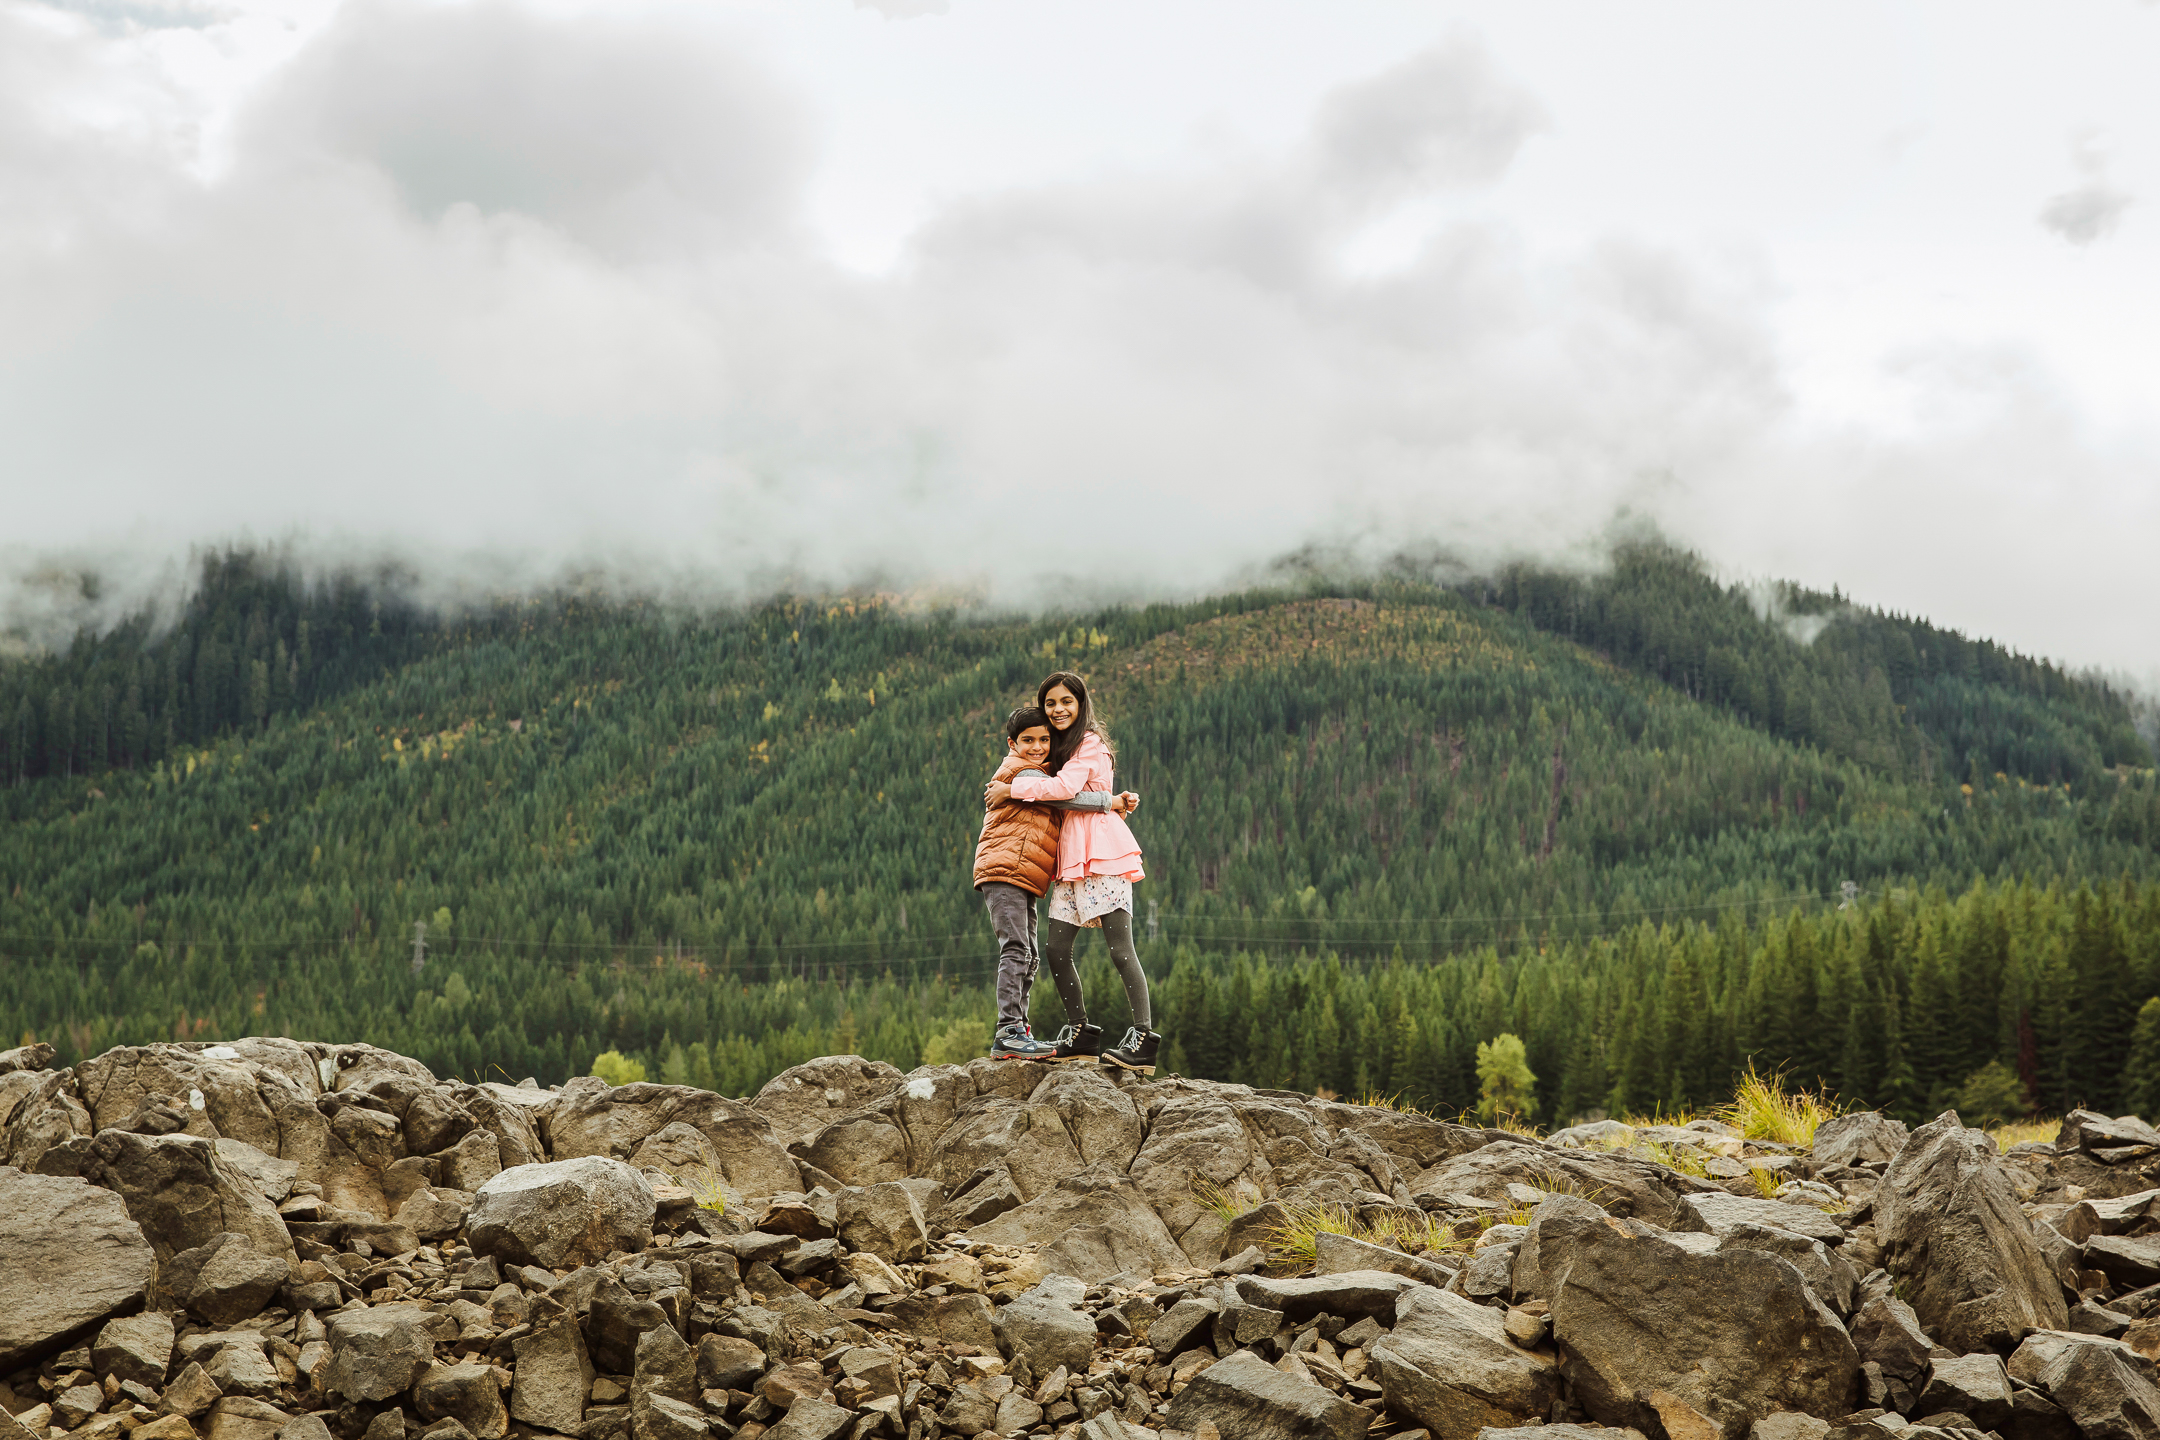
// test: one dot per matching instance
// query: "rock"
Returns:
(1952, 1231)
(191, 1393)
(2034, 1417)
(242, 1370)
(726, 1363)
(1176, 1330)
(1238, 1324)
(135, 1347)
(1046, 1332)
(665, 1367)
(804, 1099)
(1093, 1224)
(238, 1417)
(38, 1110)
(2119, 1216)
(1887, 1333)
(663, 1418)
(1719, 1213)
(882, 1220)
(301, 1427)
(1620, 1184)
(177, 1188)
(2085, 1130)
(616, 1321)
(466, 1393)
(1789, 1425)
(1860, 1138)
(961, 1319)
(1652, 1334)
(378, 1352)
(1017, 1414)
(1827, 1272)
(553, 1376)
(73, 1257)
(1976, 1386)
(811, 1420)
(1564, 1432)
(590, 1118)
(1541, 1259)
(1340, 1254)
(562, 1214)
(472, 1162)
(2103, 1386)
(433, 1213)
(2129, 1261)
(175, 1427)
(2087, 1318)
(25, 1058)
(224, 1281)
(1359, 1292)
(1449, 1365)
(1246, 1397)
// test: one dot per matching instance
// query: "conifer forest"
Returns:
(1660, 827)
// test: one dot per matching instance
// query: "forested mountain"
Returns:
(725, 842)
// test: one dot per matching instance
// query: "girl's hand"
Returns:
(997, 792)
(1126, 803)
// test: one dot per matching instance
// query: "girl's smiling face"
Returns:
(1062, 706)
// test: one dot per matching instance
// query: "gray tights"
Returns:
(1058, 953)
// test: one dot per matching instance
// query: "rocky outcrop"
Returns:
(1953, 1232)
(72, 1257)
(350, 1249)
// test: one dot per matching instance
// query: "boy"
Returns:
(1015, 860)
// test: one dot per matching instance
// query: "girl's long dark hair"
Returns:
(1064, 742)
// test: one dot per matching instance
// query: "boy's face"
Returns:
(1032, 744)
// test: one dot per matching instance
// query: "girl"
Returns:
(1097, 862)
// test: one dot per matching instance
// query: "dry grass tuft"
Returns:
(2024, 1132)
(704, 1184)
(1294, 1244)
(1763, 1109)
(1766, 1182)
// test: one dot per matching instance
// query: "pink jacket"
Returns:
(1091, 842)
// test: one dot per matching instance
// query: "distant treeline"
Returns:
(1896, 1002)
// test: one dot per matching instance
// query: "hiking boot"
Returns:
(1017, 1042)
(1079, 1042)
(1135, 1053)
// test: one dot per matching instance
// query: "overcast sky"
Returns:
(1065, 300)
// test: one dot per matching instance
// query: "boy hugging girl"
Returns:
(1052, 822)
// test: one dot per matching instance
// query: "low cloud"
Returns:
(510, 293)
(2093, 207)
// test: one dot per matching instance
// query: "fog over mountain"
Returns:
(1053, 303)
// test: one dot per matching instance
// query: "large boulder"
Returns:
(800, 1101)
(590, 1117)
(553, 1376)
(379, 1352)
(2094, 1133)
(1093, 1224)
(74, 1256)
(564, 1213)
(1350, 1294)
(1652, 1335)
(38, 1110)
(177, 1188)
(223, 1281)
(1717, 1214)
(882, 1220)
(1246, 1397)
(135, 1347)
(466, 1393)
(1043, 1328)
(1619, 1184)
(1449, 1365)
(2105, 1387)
(1953, 1232)
(1196, 1142)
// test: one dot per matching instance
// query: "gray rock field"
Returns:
(276, 1240)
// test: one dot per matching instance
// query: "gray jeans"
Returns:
(1012, 916)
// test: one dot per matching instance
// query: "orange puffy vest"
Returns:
(1019, 841)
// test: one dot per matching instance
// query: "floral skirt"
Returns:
(1085, 901)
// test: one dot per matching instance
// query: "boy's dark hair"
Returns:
(1064, 743)
(1022, 719)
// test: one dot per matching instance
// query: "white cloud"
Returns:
(2093, 207)
(514, 289)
